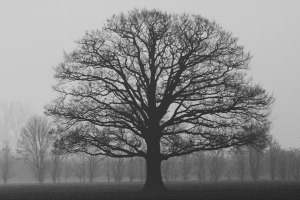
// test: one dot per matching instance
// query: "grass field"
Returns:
(207, 191)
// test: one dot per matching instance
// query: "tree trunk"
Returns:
(154, 181)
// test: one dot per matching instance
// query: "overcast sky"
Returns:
(35, 33)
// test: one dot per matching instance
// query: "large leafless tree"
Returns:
(157, 85)
(34, 145)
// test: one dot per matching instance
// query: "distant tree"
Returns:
(67, 168)
(107, 168)
(216, 164)
(132, 169)
(240, 156)
(166, 169)
(79, 166)
(229, 165)
(255, 162)
(34, 145)
(274, 153)
(93, 166)
(200, 165)
(13, 116)
(174, 169)
(166, 85)
(141, 169)
(185, 166)
(282, 164)
(55, 166)
(294, 163)
(118, 167)
(6, 161)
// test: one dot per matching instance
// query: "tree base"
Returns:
(154, 188)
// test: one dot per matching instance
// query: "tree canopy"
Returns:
(155, 83)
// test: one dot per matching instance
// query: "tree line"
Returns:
(35, 147)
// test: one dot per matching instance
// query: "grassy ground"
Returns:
(207, 191)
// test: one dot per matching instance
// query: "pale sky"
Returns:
(35, 33)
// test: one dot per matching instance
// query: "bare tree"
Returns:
(141, 169)
(118, 167)
(67, 168)
(166, 85)
(13, 115)
(282, 164)
(216, 164)
(93, 166)
(294, 163)
(166, 169)
(56, 166)
(200, 165)
(174, 169)
(132, 169)
(34, 145)
(6, 161)
(185, 166)
(79, 167)
(274, 153)
(107, 168)
(255, 161)
(241, 162)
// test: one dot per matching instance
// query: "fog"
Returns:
(34, 35)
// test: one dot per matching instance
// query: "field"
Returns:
(207, 191)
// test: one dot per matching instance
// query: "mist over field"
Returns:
(153, 100)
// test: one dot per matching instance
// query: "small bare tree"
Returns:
(132, 169)
(34, 145)
(216, 164)
(107, 168)
(56, 166)
(6, 161)
(241, 162)
(294, 164)
(79, 167)
(142, 169)
(67, 168)
(282, 164)
(118, 167)
(185, 166)
(200, 167)
(255, 159)
(274, 153)
(93, 166)
(174, 170)
(166, 169)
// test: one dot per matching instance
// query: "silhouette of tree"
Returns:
(240, 158)
(255, 162)
(274, 153)
(216, 164)
(6, 161)
(156, 85)
(132, 169)
(118, 168)
(55, 166)
(34, 145)
(185, 166)
(79, 167)
(200, 159)
(93, 167)
(107, 168)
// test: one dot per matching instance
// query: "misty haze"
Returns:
(149, 100)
